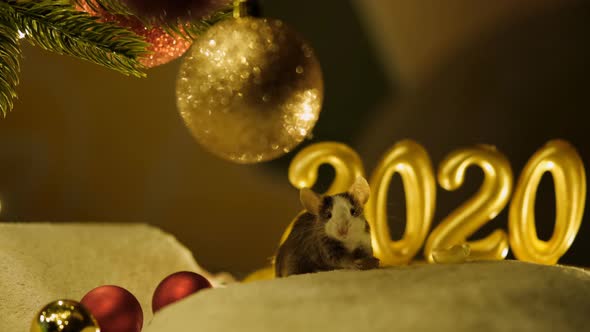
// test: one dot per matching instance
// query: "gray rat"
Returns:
(331, 234)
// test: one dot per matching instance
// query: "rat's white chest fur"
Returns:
(356, 236)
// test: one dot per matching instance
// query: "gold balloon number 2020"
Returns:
(411, 161)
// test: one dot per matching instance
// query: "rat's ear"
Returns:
(360, 190)
(310, 200)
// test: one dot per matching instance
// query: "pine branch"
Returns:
(187, 29)
(193, 29)
(10, 55)
(56, 26)
(60, 28)
(115, 7)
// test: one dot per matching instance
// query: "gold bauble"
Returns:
(250, 89)
(266, 273)
(64, 316)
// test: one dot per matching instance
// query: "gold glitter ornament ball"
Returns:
(64, 316)
(250, 89)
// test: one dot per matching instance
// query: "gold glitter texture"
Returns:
(163, 46)
(250, 89)
(64, 316)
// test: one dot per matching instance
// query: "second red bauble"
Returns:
(114, 308)
(176, 287)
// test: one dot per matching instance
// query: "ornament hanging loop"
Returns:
(245, 8)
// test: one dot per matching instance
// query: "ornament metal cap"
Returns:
(245, 8)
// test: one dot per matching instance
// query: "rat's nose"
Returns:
(342, 231)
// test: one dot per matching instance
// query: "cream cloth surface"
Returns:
(485, 296)
(42, 262)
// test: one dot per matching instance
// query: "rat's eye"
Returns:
(352, 211)
(328, 215)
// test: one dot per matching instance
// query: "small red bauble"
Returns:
(164, 46)
(177, 286)
(114, 308)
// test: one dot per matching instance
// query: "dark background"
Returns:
(87, 144)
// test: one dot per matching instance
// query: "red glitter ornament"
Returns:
(114, 308)
(177, 286)
(163, 46)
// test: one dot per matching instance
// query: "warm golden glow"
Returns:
(491, 198)
(448, 242)
(565, 165)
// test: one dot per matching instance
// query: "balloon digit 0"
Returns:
(565, 165)
(411, 161)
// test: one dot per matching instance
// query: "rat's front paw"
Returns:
(366, 263)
